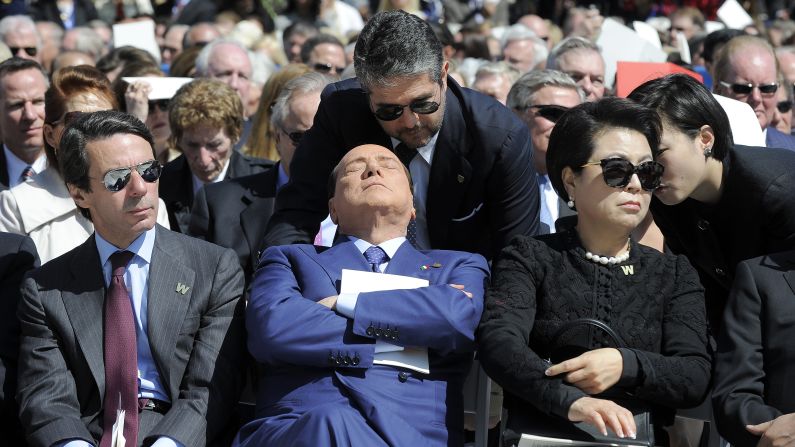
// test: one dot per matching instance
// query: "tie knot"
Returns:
(119, 261)
(405, 154)
(27, 174)
(375, 255)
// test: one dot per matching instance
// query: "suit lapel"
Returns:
(84, 303)
(254, 217)
(343, 255)
(450, 172)
(410, 262)
(167, 302)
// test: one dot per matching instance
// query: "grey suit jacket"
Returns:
(197, 341)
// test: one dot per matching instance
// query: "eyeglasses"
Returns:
(161, 104)
(116, 179)
(746, 89)
(617, 172)
(295, 137)
(393, 111)
(31, 51)
(327, 68)
(784, 106)
(549, 112)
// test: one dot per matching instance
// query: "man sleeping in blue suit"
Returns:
(321, 381)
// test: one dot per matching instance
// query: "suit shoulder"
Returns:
(775, 262)
(453, 255)
(195, 248)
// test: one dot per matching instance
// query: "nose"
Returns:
(586, 85)
(756, 96)
(205, 157)
(137, 186)
(634, 184)
(30, 111)
(409, 118)
(234, 81)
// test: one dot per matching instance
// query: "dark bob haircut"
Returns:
(571, 143)
(685, 103)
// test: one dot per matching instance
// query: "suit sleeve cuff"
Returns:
(630, 374)
(165, 441)
(346, 304)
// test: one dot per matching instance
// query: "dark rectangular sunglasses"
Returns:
(31, 51)
(746, 89)
(116, 179)
(161, 104)
(784, 106)
(393, 112)
(549, 112)
(617, 172)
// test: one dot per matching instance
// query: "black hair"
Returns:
(17, 64)
(572, 140)
(312, 42)
(687, 104)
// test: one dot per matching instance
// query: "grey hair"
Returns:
(522, 32)
(16, 23)
(396, 44)
(262, 68)
(497, 69)
(522, 91)
(88, 41)
(570, 44)
(203, 59)
(306, 83)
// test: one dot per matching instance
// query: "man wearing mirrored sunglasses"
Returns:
(539, 99)
(137, 318)
(746, 70)
(324, 54)
(20, 34)
(469, 157)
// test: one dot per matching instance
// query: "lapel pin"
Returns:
(460, 178)
(423, 267)
(182, 288)
(436, 265)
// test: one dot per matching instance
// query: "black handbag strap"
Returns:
(616, 339)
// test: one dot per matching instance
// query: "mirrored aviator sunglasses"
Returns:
(550, 112)
(617, 172)
(116, 179)
(393, 112)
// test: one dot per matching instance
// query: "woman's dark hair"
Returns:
(572, 140)
(685, 103)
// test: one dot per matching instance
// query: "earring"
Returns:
(708, 151)
(570, 204)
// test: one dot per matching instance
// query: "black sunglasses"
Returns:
(746, 89)
(393, 111)
(617, 172)
(161, 104)
(295, 137)
(31, 51)
(116, 179)
(784, 106)
(327, 68)
(550, 112)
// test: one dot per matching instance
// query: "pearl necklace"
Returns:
(608, 260)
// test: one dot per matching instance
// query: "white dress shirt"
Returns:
(197, 184)
(15, 166)
(420, 168)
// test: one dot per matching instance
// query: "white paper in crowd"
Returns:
(683, 47)
(138, 34)
(621, 43)
(541, 441)
(325, 236)
(357, 281)
(743, 122)
(117, 436)
(711, 25)
(162, 88)
(733, 15)
(647, 33)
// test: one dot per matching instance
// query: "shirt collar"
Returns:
(282, 178)
(390, 247)
(426, 152)
(15, 165)
(142, 246)
(197, 184)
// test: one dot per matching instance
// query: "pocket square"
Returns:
(469, 216)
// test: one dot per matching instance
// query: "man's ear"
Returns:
(49, 134)
(332, 211)
(413, 214)
(568, 177)
(78, 195)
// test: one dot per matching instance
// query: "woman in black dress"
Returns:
(601, 158)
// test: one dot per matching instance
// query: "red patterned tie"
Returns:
(121, 355)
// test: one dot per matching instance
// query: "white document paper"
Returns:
(743, 122)
(733, 15)
(683, 47)
(647, 33)
(541, 441)
(621, 43)
(117, 438)
(357, 281)
(138, 34)
(162, 88)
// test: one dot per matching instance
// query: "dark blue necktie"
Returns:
(375, 257)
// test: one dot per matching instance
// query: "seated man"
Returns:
(323, 381)
(138, 318)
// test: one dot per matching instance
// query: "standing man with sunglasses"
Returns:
(540, 98)
(747, 70)
(325, 54)
(20, 34)
(469, 157)
(137, 319)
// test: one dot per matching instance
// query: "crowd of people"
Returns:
(301, 223)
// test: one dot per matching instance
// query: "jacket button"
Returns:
(378, 332)
(347, 360)
(403, 376)
(332, 360)
(388, 333)
(703, 225)
(338, 360)
(355, 360)
(719, 271)
(394, 334)
(370, 331)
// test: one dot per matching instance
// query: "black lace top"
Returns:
(653, 301)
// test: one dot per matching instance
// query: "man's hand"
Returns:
(779, 432)
(330, 302)
(593, 372)
(461, 288)
(603, 414)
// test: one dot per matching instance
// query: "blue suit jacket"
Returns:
(311, 356)
(776, 138)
